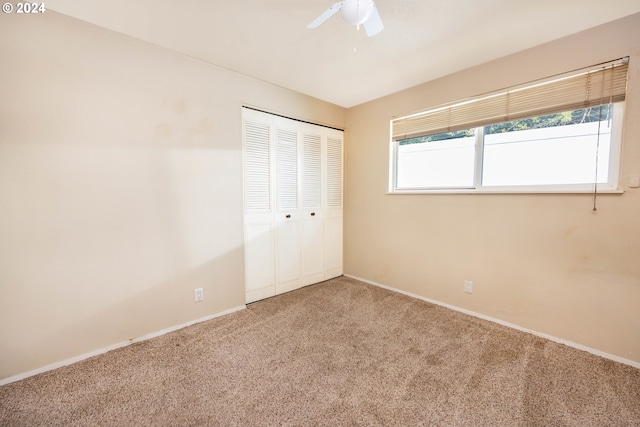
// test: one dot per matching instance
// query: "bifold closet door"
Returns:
(258, 215)
(334, 211)
(312, 210)
(287, 212)
(292, 204)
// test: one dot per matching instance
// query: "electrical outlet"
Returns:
(198, 295)
(468, 286)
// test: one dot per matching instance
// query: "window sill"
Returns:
(503, 191)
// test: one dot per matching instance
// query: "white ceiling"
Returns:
(422, 39)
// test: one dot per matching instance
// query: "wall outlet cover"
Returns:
(468, 286)
(198, 295)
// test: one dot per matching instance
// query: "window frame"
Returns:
(612, 186)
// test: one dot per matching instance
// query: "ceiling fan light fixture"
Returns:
(356, 12)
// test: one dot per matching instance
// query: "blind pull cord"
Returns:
(595, 181)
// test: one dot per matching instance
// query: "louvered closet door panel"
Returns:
(257, 163)
(259, 238)
(312, 212)
(333, 213)
(288, 239)
(312, 171)
(286, 170)
(334, 172)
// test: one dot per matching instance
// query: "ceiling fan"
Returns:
(355, 12)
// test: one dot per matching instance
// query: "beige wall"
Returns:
(120, 187)
(543, 262)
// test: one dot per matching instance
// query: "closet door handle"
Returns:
(313, 214)
(288, 216)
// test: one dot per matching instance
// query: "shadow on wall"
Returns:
(101, 244)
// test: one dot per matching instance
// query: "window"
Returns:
(561, 135)
(443, 160)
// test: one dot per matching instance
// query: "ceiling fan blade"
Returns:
(326, 15)
(373, 25)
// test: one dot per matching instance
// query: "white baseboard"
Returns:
(502, 322)
(114, 346)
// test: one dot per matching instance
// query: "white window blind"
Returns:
(602, 83)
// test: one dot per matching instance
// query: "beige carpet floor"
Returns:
(339, 353)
